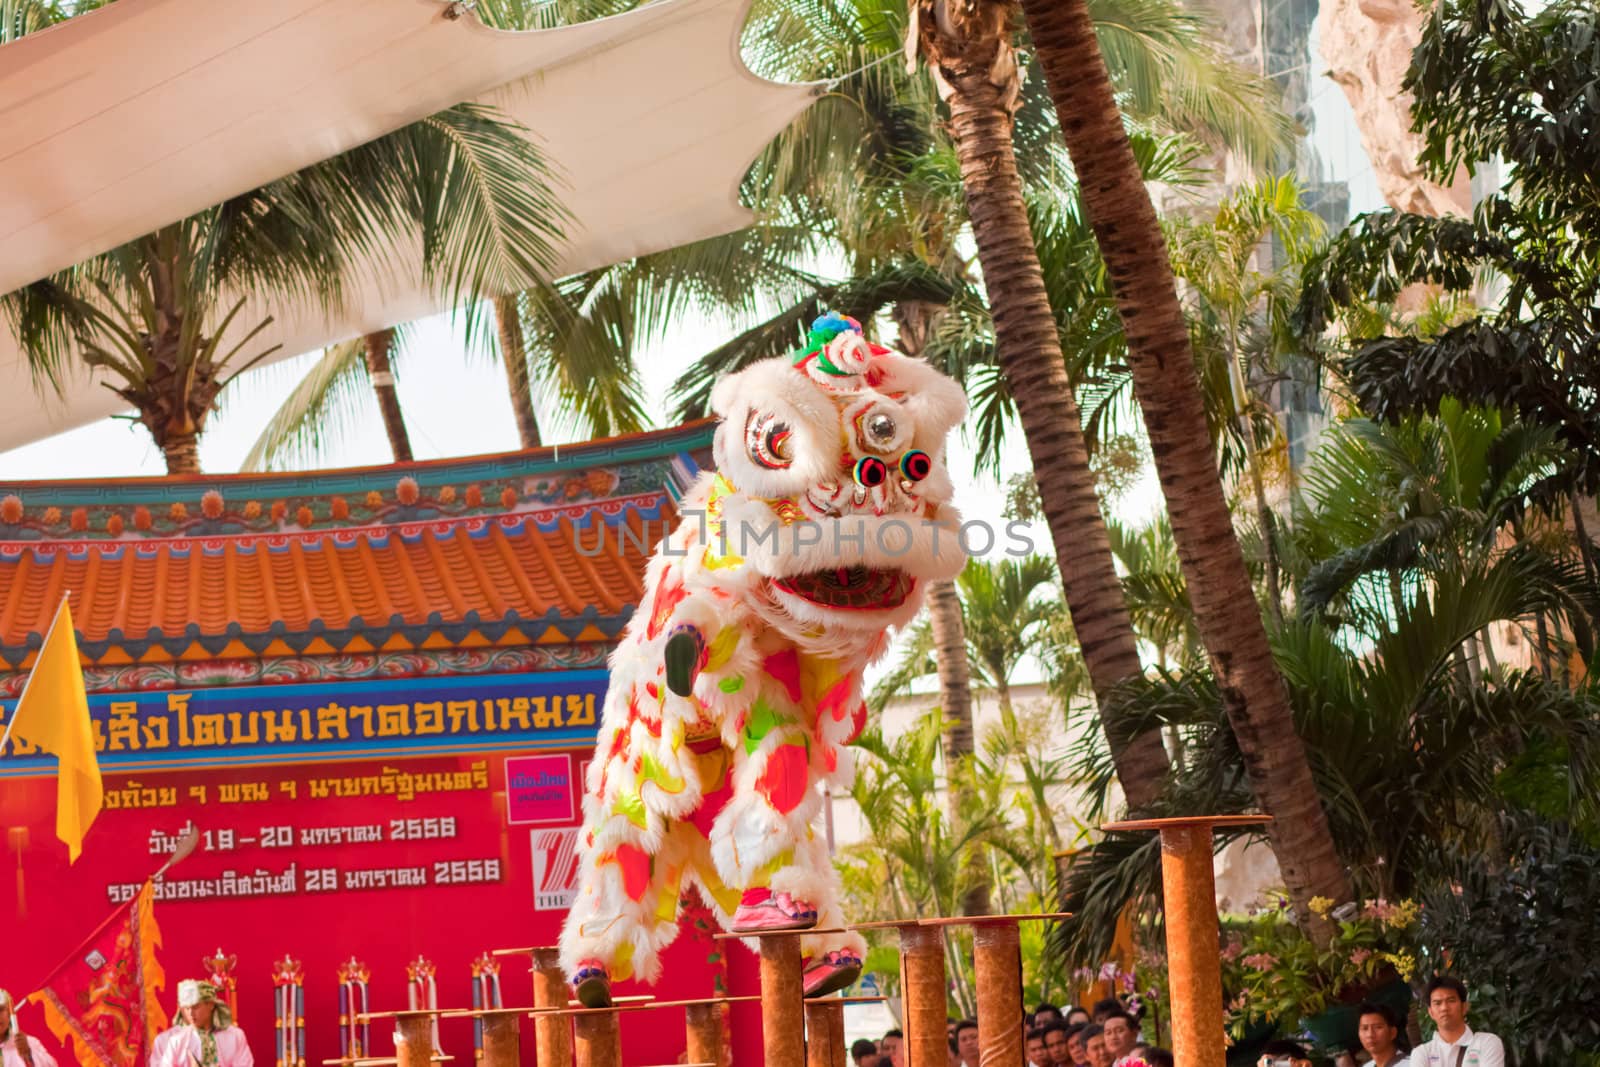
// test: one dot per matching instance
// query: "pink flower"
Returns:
(1379, 909)
(1231, 950)
(1108, 971)
(1261, 961)
(1360, 956)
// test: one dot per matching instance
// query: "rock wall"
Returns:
(1367, 45)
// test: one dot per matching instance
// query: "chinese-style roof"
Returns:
(527, 548)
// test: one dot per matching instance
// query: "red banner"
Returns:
(382, 860)
(104, 998)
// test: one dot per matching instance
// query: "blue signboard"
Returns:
(254, 725)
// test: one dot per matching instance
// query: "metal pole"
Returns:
(1194, 963)
(1194, 958)
(825, 1034)
(502, 1039)
(599, 1041)
(552, 1034)
(707, 1026)
(782, 998)
(997, 965)
(413, 1039)
(922, 981)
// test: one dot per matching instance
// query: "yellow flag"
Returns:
(53, 713)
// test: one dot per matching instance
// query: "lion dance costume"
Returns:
(737, 683)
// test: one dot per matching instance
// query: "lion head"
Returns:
(833, 485)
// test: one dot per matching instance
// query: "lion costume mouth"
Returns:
(850, 588)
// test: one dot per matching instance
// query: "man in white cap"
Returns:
(205, 1035)
(18, 1049)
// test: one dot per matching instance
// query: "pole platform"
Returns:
(1194, 957)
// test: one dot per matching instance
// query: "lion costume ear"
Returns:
(753, 403)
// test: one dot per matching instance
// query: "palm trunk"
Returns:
(514, 354)
(1029, 351)
(955, 673)
(182, 453)
(379, 346)
(1165, 382)
(915, 321)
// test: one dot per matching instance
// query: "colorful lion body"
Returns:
(738, 683)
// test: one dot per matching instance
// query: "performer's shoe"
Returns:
(763, 911)
(831, 972)
(591, 985)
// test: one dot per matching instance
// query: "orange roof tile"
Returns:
(343, 561)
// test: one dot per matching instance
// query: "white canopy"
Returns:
(122, 120)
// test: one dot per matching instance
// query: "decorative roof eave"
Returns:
(557, 557)
(206, 506)
(320, 639)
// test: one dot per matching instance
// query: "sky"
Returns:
(455, 404)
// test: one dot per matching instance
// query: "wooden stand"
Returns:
(825, 1033)
(783, 1041)
(706, 1025)
(502, 1034)
(998, 960)
(552, 1035)
(923, 991)
(997, 966)
(413, 1039)
(597, 1039)
(1194, 962)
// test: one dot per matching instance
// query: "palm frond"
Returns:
(323, 408)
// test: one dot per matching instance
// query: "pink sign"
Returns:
(540, 789)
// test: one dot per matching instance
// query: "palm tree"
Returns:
(975, 65)
(514, 357)
(166, 316)
(918, 849)
(378, 348)
(1162, 361)
(1245, 313)
(1385, 505)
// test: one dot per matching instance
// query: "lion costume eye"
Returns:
(770, 442)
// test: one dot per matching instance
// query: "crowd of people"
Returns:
(1110, 1035)
(1107, 1036)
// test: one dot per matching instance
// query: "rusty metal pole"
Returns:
(825, 1033)
(552, 1034)
(923, 988)
(997, 971)
(707, 1026)
(413, 1039)
(598, 1040)
(502, 1038)
(1194, 957)
(783, 1039)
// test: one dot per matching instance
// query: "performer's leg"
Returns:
(630, 864)
(768, 815)
(832, 960)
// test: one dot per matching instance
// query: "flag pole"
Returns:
(6, 737)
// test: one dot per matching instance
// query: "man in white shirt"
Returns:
(1454, 1044)
(205, 1035)
(18, 1049)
